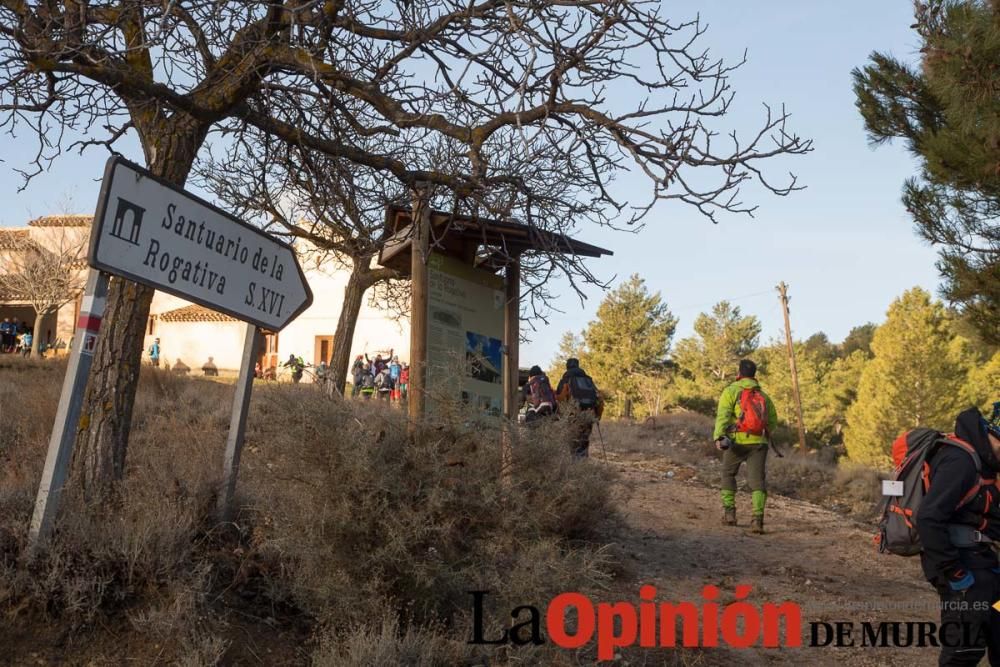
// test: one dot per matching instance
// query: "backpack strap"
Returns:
(952, 439)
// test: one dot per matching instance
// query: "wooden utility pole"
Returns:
(419, 247)
(783, 296)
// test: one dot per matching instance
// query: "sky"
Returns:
(844, 245)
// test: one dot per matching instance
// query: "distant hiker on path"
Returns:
(7, 330)
(357, 371)
(383, 384)
(379, 362)
(576, 387)
(538, 395)
(367, 386)
(744, 421)
(404, 382)
(958, 519)
(298, 366)
(154, 353)
(395, 372)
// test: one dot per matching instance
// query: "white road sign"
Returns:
(155, 233)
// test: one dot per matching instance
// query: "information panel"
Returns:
(465, 311)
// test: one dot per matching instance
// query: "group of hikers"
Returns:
(16, 337)
(575, 395)
(386, 378)
(945, 506)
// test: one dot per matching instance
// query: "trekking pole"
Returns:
(601, 435)
(770, 443)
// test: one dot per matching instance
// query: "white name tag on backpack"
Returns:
(892, 488)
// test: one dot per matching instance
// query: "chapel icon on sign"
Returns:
(127, 222)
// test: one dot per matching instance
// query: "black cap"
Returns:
(534, 370)
(572, 362)
(748, 369)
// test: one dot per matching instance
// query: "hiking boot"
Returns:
(729, 518)
(757, 524)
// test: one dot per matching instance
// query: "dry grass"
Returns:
(350, 540)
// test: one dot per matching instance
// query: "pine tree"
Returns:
(859, 338)
(775, 376)
(570, 346)
(819, 347)
(628, 343)
(708, 360)
(983, 386)
(913, 379)
(948, 114)
(840, 391)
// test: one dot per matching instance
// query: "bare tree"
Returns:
(336, 207)
(610, 85)
(46, 277)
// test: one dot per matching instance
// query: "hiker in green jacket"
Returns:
(743, 424)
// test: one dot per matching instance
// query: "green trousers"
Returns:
(756, 460)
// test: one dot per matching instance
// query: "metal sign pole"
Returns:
(237, 424)
(64, 430)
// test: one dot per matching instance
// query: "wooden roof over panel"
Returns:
(465, 236)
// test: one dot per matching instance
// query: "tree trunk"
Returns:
(343, 337)
(35, 329)
(171, 145)
(362, 277)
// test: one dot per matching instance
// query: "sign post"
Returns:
(155, 233)
(57, 460)
(511, 343)
(238, 424)
(418, 305)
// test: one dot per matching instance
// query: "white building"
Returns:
(195, 339)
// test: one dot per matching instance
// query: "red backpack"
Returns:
(910, 454)
(541, 392)
(753, 407)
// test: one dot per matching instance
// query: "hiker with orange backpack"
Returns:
(950, 513)
(743, 424)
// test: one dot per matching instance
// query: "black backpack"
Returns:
(911, 453)
(584, 391)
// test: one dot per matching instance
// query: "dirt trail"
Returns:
(673, 539)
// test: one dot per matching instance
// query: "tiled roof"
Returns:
(76, 220)
(8, 297)
(10, 239)
(195, 313)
